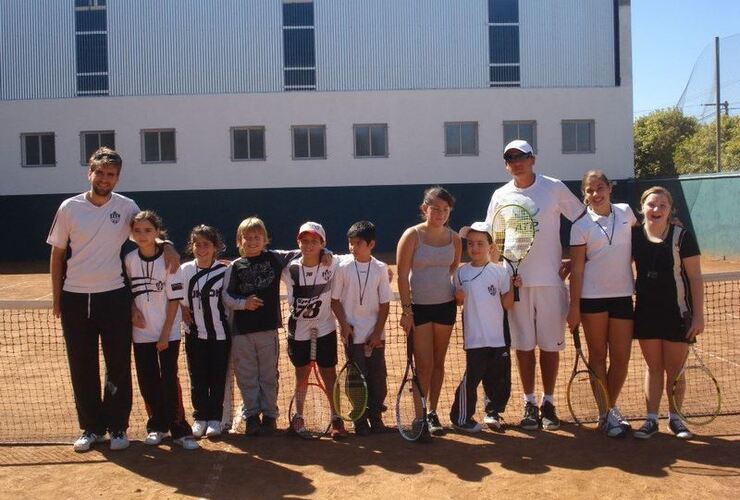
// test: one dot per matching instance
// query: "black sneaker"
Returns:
(550, 420)
(494, 421)
(268, 425)
(531, 419)
(435, 426)
(362, 428)
(679, 429)
(377, 426)
(647, 430)
(471, 426)
(253, 425)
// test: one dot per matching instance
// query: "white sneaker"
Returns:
(154, 438)
(199, 428)
(187, 442)
(213, 429)
(86, 440)
(119, 441)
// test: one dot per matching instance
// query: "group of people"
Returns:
(117, 278)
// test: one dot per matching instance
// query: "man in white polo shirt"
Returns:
(538, 319)
(92, 299)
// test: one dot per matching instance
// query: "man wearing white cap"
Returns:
(538, 319)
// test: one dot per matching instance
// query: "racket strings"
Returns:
(350, 395)
(588, 401)
(410, 410)
(696, 395)
(513, 231)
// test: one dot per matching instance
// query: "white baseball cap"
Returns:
(480, 227)
(521, 145)
(314, 228)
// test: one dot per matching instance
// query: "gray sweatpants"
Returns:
(255, 358)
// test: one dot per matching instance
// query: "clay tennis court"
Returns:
(570, 462)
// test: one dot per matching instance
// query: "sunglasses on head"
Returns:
(516, 157)
(107, 156)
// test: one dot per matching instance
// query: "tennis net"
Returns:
(37, 403)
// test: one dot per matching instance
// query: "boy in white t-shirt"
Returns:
(361, 298)
(485, 291)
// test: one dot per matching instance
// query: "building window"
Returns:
(578, 136)
(91, 44)
(38, 149)
(525, 130)
(92, 141)
(309, 141)
(158, 146)
(503, 43)
(299, 54)
(247, 143)
(461, 139)
(371, 141)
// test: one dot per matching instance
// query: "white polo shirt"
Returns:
(95, 236)
(608, 240)
(483, 314)
(361, 287)
(546, 199)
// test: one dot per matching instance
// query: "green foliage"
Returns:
(697, 153)
(656, 136)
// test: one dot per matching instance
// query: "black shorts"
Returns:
(443, 314)
(617, 307)
(299, 351)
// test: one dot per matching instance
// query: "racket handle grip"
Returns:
(516, 294)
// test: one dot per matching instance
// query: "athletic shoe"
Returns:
(612, 424)
(118, 441)
(494, 421)
(435, 427)
(268, 425)
(377, 426)
(154, 438)
(297, 425)
(86, 440)
(531, 419)
(253, 425)
(550, 420)
(337, 428)
(187, 442)
(621, 419)
(362, 428)
(214, 428)
(647, 430)
(199, 428)
(679, 429)
(470, 426)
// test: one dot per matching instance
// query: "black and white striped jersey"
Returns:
(200, 291)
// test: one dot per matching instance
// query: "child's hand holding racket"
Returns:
(253, 302)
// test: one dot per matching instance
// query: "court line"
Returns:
(718, 357)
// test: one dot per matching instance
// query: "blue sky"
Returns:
(667, 38)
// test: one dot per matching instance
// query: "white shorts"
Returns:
(538, 319)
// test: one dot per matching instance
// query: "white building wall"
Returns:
(37, 49)
(566, 43)
(415, 127)
(400, 44)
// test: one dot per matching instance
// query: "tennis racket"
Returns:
(696, 394)
(411, 405)
(513, 231)
(350, 389)
(311, 403)
(587, 396)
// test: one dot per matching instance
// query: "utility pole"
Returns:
(717, 102)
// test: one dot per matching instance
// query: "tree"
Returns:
(656, 137)
(697, 153)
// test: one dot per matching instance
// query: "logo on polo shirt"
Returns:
(160, 286)
(326, 274)
(492, 290)
(115, 217)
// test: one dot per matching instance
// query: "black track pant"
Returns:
(85, 318)
(207, 363)
(160, 388)
(374, 370)
(492, 366)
